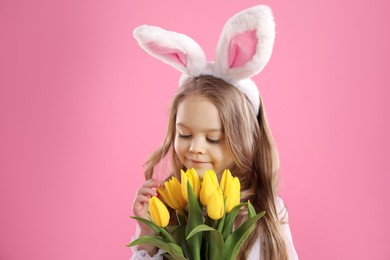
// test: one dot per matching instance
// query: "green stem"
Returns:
(168, 236)
(211, 223)
(181, 219)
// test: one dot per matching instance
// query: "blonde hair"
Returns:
(255, 157)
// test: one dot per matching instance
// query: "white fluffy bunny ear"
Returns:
(246, 43)
(175, 49)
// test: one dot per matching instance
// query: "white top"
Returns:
(256, 248)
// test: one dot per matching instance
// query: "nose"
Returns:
(197, 146)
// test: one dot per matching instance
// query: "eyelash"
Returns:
(184, 136)
(212, 141)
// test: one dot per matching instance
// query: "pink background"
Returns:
(80, 111)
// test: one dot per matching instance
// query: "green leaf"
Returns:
(168, 236)
(215, 240)
(200, 228)
(194, 220)
(153, 240)
(168, 256)
(156, 229)
(170, 248)
(179, 233)
(251, 210)
(235, 240)
(216, 245)
(176, 251)
(174, 257)
(149, 223)
(229, 220)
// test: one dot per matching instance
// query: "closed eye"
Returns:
(213, 141)
(184, 136)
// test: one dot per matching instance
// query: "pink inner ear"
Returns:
(174, 55)
(242, 48)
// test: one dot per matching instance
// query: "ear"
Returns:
(246, 42)
(175, 49)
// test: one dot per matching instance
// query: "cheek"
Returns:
(178, 146)
(226, 156)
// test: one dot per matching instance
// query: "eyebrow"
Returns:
(206, 130)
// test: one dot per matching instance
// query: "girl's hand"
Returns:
(141, 203)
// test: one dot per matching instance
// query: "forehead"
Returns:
(198, 113)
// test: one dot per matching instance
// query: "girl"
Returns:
(217, 121)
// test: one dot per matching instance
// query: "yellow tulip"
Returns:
(158, 212)
(192, 176)
(209, 185)
(215, 207)
(226, 177)
(172, 195)
(232, 194)
(231, 190)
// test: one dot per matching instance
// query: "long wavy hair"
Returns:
(255, 156)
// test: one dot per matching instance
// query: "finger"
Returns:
(152, 183)
(140, 206)
(147, 192)
(141, 199)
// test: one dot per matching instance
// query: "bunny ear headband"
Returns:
(243, 50)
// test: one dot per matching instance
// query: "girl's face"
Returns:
(200, 140)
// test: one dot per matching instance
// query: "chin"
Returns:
(200, 172)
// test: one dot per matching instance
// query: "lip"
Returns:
(196, 161)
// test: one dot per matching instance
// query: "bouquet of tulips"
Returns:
(199, 236)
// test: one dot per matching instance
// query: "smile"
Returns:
(197, 161)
